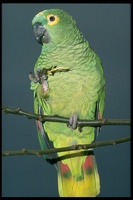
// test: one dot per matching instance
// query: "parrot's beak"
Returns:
(40, 33)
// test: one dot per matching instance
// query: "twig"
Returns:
(70, 148)
(81, 123)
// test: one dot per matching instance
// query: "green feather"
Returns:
(76, 84)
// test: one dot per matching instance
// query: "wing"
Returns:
(100, 109)
(44, 141)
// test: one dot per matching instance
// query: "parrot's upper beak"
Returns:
(40, 33)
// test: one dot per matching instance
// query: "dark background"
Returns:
(107, 28)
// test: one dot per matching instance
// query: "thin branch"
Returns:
(60, 119)
(70, 148)
(80, 123)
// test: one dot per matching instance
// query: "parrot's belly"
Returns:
(69, 94)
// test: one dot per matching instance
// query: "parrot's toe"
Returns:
(32, 77)
(73, 121)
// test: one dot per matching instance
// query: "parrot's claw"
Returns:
(73, 121)
(41, 77)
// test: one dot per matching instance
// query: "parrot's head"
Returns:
(54, 25)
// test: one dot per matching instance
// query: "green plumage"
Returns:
(75, 81)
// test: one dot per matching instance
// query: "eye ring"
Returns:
(52, 19)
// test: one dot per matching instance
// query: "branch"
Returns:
(81, 123)
(56, 118)
(70, 148)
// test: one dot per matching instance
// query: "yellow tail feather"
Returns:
(87, 185)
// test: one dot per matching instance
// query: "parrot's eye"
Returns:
(52, 19)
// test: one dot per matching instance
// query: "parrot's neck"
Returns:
(65, 43)
(66, 54)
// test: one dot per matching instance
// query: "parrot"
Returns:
(67, 81)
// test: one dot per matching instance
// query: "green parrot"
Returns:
(67, 81)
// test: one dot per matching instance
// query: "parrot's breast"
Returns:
(69, 93)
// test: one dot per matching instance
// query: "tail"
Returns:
(87, 185)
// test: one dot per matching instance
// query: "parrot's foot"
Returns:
(73, 122)
(41, 77)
